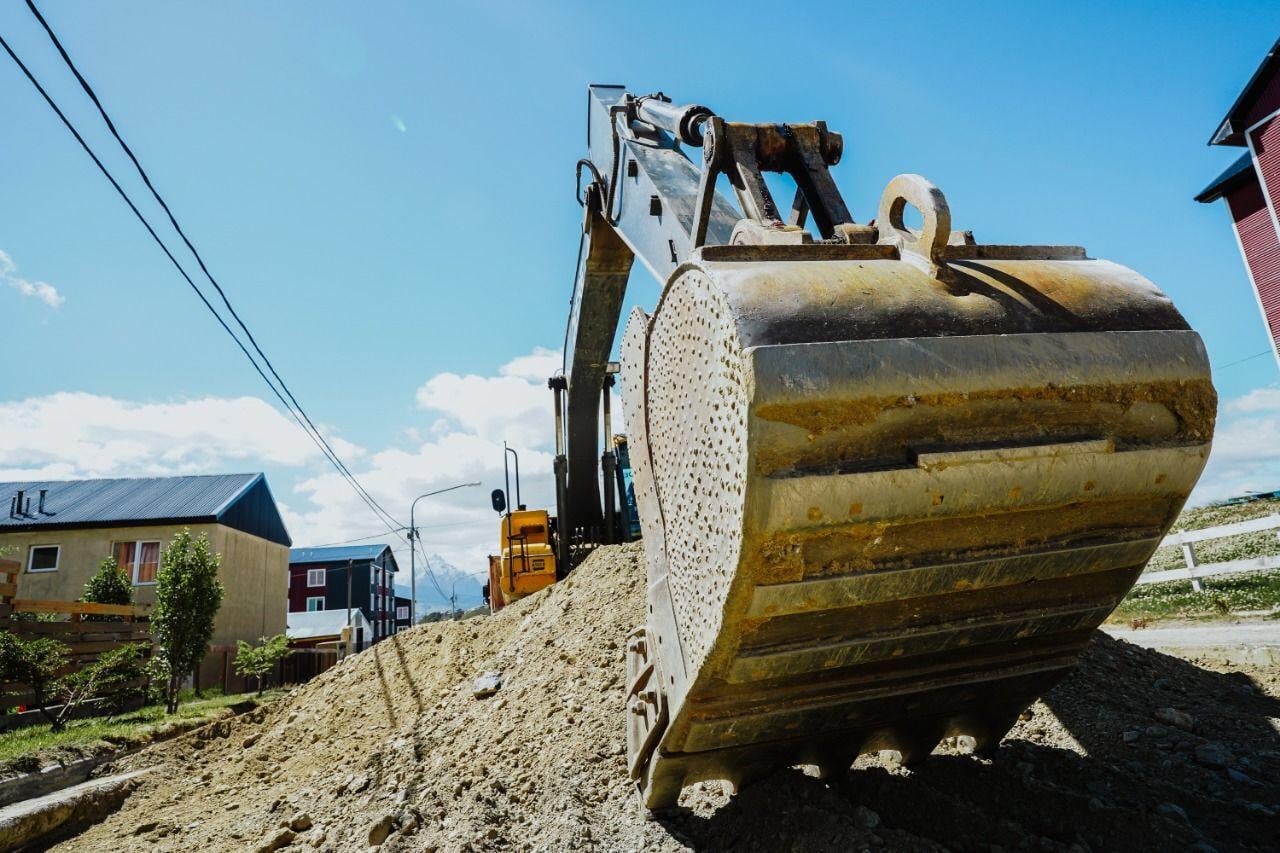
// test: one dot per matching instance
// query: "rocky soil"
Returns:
(390, 749)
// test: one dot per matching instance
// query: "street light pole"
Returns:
(413, 538)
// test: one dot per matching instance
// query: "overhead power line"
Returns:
(377, 535)
(146, 179)
(1243, 360)
(291, 404)
(426, 561)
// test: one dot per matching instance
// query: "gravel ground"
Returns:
(1136, 751)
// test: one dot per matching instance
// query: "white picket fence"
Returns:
(1194, 571)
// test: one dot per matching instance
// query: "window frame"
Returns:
(311, 573)
(311, 598)
(57, 559)
(137, 558)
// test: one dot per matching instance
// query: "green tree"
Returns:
(34, 663)
(109, 586)
(258, 661)
(188, 595)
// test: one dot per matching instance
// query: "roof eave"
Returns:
(1240, 171)
(1226, 133)
(89, 525)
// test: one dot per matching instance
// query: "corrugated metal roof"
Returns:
(1240, 170)
(115, 502)
(336, 553)
(323, 623)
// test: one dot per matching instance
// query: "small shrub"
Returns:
(109, 586)
(34, 664)
(118, 677)
(258, 661)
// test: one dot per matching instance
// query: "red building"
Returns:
(318, 580)
(1251, 186)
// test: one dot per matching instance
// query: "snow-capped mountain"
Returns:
(451, 579)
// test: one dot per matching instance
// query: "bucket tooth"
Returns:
(886, 502)
(915, 744)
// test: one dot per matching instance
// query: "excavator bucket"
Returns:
(888, 490)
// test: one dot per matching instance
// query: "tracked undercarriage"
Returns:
(889, 480)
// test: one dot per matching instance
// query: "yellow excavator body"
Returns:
(528, 557)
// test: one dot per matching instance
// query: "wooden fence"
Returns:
(302, 665)
(1193, 571)
(86, 638)
(218, 669)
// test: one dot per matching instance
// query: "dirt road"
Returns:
(1136, 751)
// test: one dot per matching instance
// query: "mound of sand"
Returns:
(1136, 751)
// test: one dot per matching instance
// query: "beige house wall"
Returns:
(254, 572)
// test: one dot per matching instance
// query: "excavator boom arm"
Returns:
(647, 199)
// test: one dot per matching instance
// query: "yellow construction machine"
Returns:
(889, 479)
(527, 562)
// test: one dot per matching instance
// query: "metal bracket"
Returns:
(646, 702)
(742, 152)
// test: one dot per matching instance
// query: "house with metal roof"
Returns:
(1250, 186)
(61, 530)
(322, 578)
(346, 630)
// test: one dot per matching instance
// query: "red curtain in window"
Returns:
(148, 562)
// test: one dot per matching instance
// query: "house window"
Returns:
(43, 558)
(315, 602)
(139, 560)
(315, 577)
(402, 613)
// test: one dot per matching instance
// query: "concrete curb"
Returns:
(1252, 644)
(35, 819)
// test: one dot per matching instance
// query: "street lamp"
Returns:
(413, 536)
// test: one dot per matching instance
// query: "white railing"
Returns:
(1194, 571)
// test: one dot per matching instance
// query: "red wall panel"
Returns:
(1256, 229)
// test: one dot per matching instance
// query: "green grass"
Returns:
(34, 746)
(1223, 596)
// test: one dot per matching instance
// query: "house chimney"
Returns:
(40, 509)
(13, 506)
(27, 511)
(18, 510)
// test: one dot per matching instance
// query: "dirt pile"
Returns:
(1136, 751)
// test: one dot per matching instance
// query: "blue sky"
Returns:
(386, 193)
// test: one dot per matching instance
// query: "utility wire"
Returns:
(303, 421)
(146, 179)
(1243, 360)
(420, 527)
(350, 541)
(426, 561)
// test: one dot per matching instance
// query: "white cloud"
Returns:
(536, 367)
(1246, 448)
(1257, 400)
(88, 435)
(45, 292)
(514, 406)
(70, 435)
